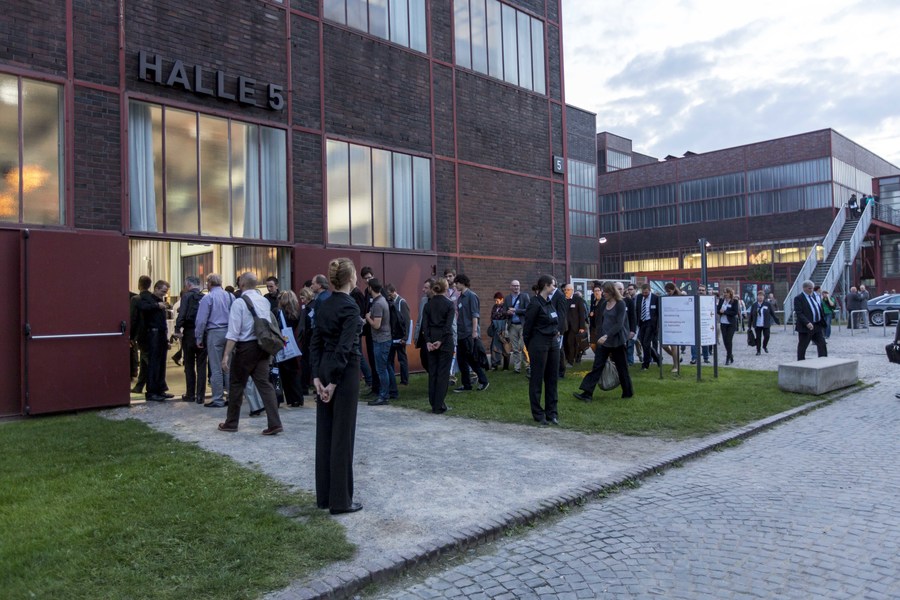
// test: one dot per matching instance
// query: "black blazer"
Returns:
(632, 316)
(653, 299)
(540, 324)
(561, 306)
(576, 315)
(768, 314)
(731, 310)
(803, 314)
(335, 338)
(437, 322)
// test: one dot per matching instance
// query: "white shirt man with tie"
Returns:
(809, 321)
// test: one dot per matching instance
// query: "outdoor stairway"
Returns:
(818, 276)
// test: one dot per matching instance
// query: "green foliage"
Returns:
(674, 407)
(91, 508)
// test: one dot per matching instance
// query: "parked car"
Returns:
(878, 306)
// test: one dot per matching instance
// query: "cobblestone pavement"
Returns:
(809, 509)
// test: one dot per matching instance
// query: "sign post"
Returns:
(688, 321)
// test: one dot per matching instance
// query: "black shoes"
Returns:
(214, 405)
(543, 422)
(155, 398)
(378, 402)
(554, 421)
(355, 507)
(483, 386)
(256, 413)
(582, 396)
(462, 389)
(168, 395)
(136, 390)
(186, 398)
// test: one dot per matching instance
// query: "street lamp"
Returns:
(704, 244)
(602, 240)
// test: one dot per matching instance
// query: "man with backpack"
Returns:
(399, 331)
(379, 320)
(194, 354)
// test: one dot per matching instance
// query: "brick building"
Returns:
(763, 207)
(171, 139)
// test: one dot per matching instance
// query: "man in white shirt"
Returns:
(249, 359)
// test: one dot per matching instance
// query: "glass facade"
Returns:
(195, 174)
(617, 160)
(378, 198)
(32, 187)
(496, 39)
(400, 21)
(582, 192)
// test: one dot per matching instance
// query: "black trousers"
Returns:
(438, 378)
(156, 348)
(335, 438)
(289, 371)
(135, 360)
(465, 357)
(370, 353)
(398, 351)
(570, 345)
(617, 355)
(143, 367)
(544, 352)
(816, 336)
(194, 366)
(647, 338)
(728, 338)
(250, 360)
(762, 338)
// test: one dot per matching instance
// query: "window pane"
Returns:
(360, 196)
(378, 18)
(510, 52)
(9, 148)
(41, 153)
(357, 14)
(494, 39)
(537, 58)
(399, 14)
(461, 31)
(524, 50)
(338, 193)
(418, 31)
(156, 117)
(336, 10)
(215, 184)
(273, 179)
(479, 36)
(181, 171)
(382, 190)
(422, 194)
(402, 201)
(252, 227)
(238, 177)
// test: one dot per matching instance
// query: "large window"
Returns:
(400, 21)
(582, 190)
(794, 174)
(649, 207)
(378, 198)
(617, 160)
(31, 152)
(500, 41)
(200, 175)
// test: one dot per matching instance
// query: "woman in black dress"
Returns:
(334, 360)
(542, 339)
(437, 327)
(289, 370)
(610, 345)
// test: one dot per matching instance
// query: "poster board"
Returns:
(677, 322)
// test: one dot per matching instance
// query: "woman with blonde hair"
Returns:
(289, 314)
(613, 331)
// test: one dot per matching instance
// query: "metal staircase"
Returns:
(840, 247)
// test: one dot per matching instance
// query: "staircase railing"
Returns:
(859, 234)
(835, 230)
(805, 273)
(836, 270)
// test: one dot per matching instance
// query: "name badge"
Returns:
(571, 306)
(652, 307)
(553, 314)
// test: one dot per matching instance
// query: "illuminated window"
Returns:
(651, 264)
(32, 189)
(195, 174)
(378, 198)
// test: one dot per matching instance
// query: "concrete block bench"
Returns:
(818, 375)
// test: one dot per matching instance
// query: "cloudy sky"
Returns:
(700, 75)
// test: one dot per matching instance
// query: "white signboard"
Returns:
(677, 320)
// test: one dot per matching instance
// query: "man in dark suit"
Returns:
(576, 316)
(646, 311)
(135, 333)
(809, 319)
(632, 322)
(560, 306)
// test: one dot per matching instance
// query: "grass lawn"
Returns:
(91, 508)
(674, 407)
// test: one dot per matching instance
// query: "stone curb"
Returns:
(389, 567)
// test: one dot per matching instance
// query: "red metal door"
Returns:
(75, 310)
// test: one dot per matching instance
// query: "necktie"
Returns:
(645, 310)
(815, 306)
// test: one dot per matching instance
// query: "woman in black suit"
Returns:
(542, 339)
(610, 345)
(437, 327)
(334, 361)
(762, 315)
(729, 312)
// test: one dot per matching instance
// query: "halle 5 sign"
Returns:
(204, 81)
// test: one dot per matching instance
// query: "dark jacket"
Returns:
(803, 314)
(335, 338)
(731, 310)
(653, 299)
(152, 316)
(437, 322)
(561, 306)
(768, 314)
(576, 313)
(632, 316)
(522, 305)
(187, 311)
(540, 323)
(614, 324)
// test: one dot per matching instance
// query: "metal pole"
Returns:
(703, 282)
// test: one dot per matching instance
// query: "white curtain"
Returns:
(273, 168)
(251, 182)
(140, 168)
